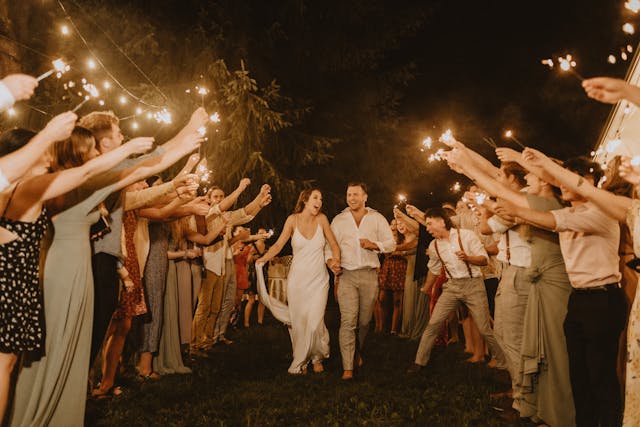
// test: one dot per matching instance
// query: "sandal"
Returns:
(114, 391)
(150, 376)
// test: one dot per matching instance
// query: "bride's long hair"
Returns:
(303, 198)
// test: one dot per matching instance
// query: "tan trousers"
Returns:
(357, 292)
(471, 291)
(208, 310)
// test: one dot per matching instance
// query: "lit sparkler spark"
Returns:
(59, 67)
(628, 28)
(456, 187)
(427, 142)
(633, 5)
(215, 117)
(635, 161)
(510, 135)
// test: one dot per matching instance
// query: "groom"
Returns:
(362, 233)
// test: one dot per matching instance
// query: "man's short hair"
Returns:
(100, 123)
(358, 184)
(439, 213)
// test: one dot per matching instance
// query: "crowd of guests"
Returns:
(537, 261)
(94, 245)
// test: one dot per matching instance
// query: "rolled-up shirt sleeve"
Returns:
(587, 219)
(387, 243)
(434, 265)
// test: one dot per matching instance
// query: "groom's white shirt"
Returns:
(373, 226)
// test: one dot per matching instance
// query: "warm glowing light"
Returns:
(628, 28)
(548, 62)
(402, 197)
(508, 133)
(611, 59)
(11, 112)
(134, 125)
(202, 91)
(149, 116)
(91, 89)
(91, 64)
(215, 117)
(635, 161)
(603, 166)
(123, 99)
(138, 110)
(101, 102)
(71, 83)
(633, 5)
(613, 145)
(427, 142)
(456, 187)
(480, 198)
(629, 48)
(163, 116)
(202, 130)
(447, 137)
(64, 30)
(270, 232)
(106, 85)
(566, 63)
(624, 55)
(59, 67)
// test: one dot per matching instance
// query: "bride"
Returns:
(307, 282)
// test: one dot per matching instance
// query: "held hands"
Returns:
(139, 145)
(334, 266)
(60, 127)
(605, 89)
(21, 86)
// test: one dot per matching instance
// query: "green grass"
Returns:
(246, 384)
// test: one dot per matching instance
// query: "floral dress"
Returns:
(632, 390)
(21, 317)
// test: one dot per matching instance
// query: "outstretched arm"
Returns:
(279, 244)
(231, 199)
(610, 91)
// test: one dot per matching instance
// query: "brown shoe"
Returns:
(347, 375)
(318, 368)
(414, 369)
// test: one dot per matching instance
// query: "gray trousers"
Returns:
(508, 326)
(357, 292)
(228, 300)
(470, 291)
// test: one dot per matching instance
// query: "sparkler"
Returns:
(215, 117)
(92, 92)
(456, 187)
(633, 5)
(427, 142)
(566, 64)
(59, 67)
(64, 29)
(611, 59)
(480, 198)
(510, 135)
(628, 28)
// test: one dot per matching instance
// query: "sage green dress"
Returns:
(169, 358)
(415, 306)
(545, 391)
(53, 390)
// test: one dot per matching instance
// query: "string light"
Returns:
(11, 112)
(134, 125)
(91, 64)
(628, 28)
(64, 29)
(611, 59)
(123, 100)
(106, 85)
(138, 110)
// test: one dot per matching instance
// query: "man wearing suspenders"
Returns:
(460, 253)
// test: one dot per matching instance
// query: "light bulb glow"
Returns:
(628, 28)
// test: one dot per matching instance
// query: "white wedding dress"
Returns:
(307, 290)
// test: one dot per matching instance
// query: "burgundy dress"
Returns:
(392, 274)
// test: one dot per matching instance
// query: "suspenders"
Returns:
(461, 248)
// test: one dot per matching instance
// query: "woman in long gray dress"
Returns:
(542, 390)
(52, 391)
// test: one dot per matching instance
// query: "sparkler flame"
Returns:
(427, 142)
(215, 117)
(628, 28)
(633, 5)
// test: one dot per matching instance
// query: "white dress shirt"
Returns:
(373, 226)
(519, 249)
(448, 247)
(216, 255)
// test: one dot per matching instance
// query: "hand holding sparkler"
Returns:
(506, 210)
(534, 157)
(59, 67)
(448, 139)
(199, 206)
(456, 158)
(139, 145)
(21, 86)
(630, 169)
(610, 91)
(198, 120)
(508, 155)
(566, 64)
(414, 212)
(60, 127)
(510, 135)
(244, 183)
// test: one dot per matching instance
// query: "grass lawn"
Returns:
(246, 384)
